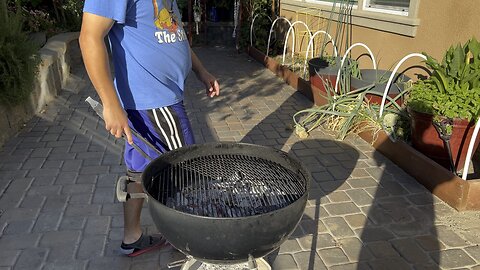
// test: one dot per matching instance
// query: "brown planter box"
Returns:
(291, 78)
(458, 193)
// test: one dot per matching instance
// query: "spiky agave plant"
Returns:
(351, 112)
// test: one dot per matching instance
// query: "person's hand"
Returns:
(211, 84)
(116, 122)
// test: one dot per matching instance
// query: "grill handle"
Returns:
(122, 194)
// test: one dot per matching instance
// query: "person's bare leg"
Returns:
(131, 215)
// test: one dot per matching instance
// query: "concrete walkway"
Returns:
(57, 179)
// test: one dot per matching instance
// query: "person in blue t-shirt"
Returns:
(152, 58)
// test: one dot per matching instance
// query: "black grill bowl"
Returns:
(223, 239)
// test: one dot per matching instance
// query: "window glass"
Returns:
(401, 5)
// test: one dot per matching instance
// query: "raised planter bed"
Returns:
(291, 78)
(458, 193)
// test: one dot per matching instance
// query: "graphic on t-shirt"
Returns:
(165, 19)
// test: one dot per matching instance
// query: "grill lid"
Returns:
(228, 185)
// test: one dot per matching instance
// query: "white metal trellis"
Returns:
(271, 31)
(390, 80)
(286, 38)
(310, 45)
(468, 158)
(345, 57)
(251, 26)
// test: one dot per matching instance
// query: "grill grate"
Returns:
(228, 185)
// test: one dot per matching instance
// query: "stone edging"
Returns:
(53, 73)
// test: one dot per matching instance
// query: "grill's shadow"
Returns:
(330, 163)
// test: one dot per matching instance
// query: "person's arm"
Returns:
(95, 56)
(211, 84)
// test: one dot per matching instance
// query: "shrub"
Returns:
(18, 59)
(38, 21)
(50, 16)
(73, 10)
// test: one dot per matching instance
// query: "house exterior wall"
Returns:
(440, 25)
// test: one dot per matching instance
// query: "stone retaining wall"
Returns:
(52, 77)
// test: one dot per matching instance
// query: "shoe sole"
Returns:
(145, 250)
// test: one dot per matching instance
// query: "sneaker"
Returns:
(144, 244)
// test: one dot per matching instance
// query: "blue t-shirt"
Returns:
(150, 50)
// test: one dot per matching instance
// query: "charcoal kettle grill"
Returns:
(226, 203)
(222, 203)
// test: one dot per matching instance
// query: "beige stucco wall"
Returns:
(442, 23)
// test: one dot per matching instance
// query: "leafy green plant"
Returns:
(18, 59)
(222, 3)
(52, 16)
(73, 10)
(182, 4)
(453, 89)
(32, 3)
(262, 24)
(343, 34)
(353, 69)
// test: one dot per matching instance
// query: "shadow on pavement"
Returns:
(363, 211)
(330, 163)
(399, 232)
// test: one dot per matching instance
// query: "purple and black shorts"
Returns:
(167, 128)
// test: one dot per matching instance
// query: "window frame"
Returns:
(324, 2)
(393, 11)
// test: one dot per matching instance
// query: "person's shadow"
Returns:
(400, 232)
(331, 163)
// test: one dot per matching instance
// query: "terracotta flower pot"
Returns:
(426, 139)
(370, 76)
(318, 70)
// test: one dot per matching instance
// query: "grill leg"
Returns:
(252, 263)
(182, 262)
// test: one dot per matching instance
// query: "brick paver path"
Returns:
(57, 178)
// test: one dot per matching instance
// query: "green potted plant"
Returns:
(449, 99)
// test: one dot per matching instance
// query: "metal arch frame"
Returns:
(345, 56)
(288, 33)
(310, 45)
(390, 80)
(271, 31)
(468, 158)
(251, 26)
